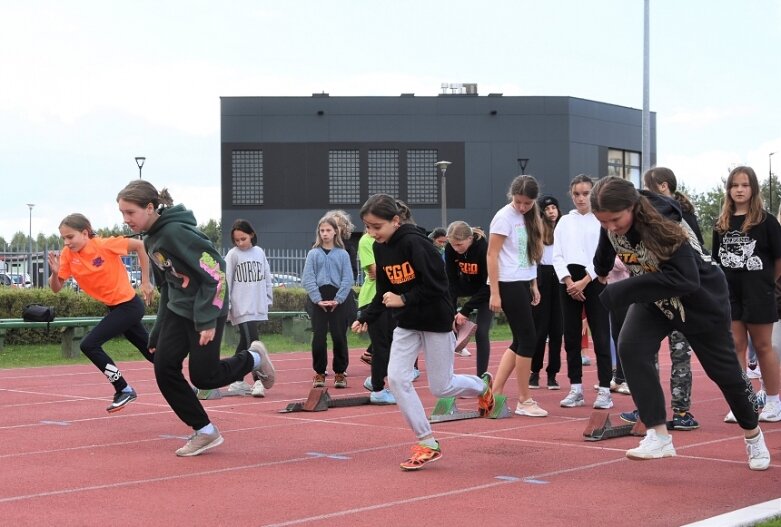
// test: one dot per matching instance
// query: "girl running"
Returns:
(411, 281)
(672, 287)
(190, 274)
(96, 265)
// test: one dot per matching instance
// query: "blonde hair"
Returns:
(755, 213)
(460, 231)
(330, 220)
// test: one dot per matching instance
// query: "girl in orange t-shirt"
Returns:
(96, 265)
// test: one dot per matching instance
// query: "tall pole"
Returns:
(442, 166)
(770, 179)
(140, 162)
(645, 155)
(30, 247)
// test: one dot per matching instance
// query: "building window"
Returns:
(344, 178)
(247, 177)
(422, 181)
(383, 172)
(624, 164)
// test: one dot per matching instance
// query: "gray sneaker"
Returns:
(239, 388)
(199, 442)
(258, 390)
(604, 400)
(574, 398)
(265, 372)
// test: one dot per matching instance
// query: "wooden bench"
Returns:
(74, 329)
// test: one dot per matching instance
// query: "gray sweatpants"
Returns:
(437, 349)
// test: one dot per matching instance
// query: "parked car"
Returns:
(5, 280)
(285, 280)
(21, 281)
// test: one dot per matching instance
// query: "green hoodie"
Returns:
(189, 271)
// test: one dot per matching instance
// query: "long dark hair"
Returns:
(661, 236)
(755, 214)
(78, 222)
(245, 227)
(528, 187)
(654, 177)
(142, 193)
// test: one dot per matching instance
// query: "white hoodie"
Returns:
(575, 241)
(249, 285)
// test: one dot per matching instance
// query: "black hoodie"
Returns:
(189, 271)
(468, 274)
(408, 264)
(688, 288)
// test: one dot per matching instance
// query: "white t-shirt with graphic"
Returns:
(514, 262)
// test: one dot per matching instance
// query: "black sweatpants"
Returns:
(335, 323)
(381, 335)
(484, 319)
(248, 333)
(645, 326)
(548, 322)
(122, 319)
(598, 322)
(178, 339)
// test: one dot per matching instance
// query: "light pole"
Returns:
(140, 163)
(522, 162)
(770, 179)
(442, 166)
(30, 251)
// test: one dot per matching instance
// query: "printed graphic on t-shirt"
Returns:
(737, 252)
(471, 268)
(523, 240)
(252, 271)
(400, 273)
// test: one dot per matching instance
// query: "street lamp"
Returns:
(30, 247)
(442, 166)
(522, 162)
(770, 179)
(140, 163)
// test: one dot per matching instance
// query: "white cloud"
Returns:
(706, 116)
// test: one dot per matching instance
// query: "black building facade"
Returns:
(287, 160)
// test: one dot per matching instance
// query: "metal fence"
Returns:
(286, 261)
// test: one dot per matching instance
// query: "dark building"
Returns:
(287, 160)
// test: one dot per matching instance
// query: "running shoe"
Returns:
(121, 399)
(652, 446)
(421, 455)
(486, 402)
(199, 442)
(265, 372)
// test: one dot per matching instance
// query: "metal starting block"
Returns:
(446, 410)
(599, 427)
(319, 401)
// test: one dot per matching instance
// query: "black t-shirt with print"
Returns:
(754, 251)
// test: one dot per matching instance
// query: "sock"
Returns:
(255, 360)
(602, 389)
(208, 429)
(577, 387)
(430, 443)
(129, 389)
(773, 398)
(755, 438)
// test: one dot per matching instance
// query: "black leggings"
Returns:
(484, 319)
(645, 326)
(122, 319)
(516, 304)
(598, 322)
(381, 335)
(335, 323)
(248, 333)
(547, 321)
(178, 339)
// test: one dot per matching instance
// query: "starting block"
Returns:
(319, 401)
(599, 427)
(216, 393)
(464, 333)
(446, 410)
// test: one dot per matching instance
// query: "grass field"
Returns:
(17, 356)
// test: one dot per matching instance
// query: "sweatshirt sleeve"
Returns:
(559, 264)
(346, 276)
(483, 294)
(309, 277)
(432, 279)
(678, 276)
(268, 279)
(451, 269)
(605, 256)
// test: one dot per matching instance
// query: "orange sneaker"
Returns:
(485, 403)
(318, 381)
(420, 456)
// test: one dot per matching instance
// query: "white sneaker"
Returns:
(529, 408)
(239, 388)
(754, 373)
(771, 413)
(604, 400)
(574, 398)
(652, 446)
(464, 353)
(258, 390)
(758, 454)
(730, 418)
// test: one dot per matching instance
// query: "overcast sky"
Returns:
(85, 86)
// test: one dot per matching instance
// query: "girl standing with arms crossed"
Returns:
(574, 244)
(328, 280)
(672, 287)
(190, 274)
(96, 265)
(467, 275)
(411, 282)
(251, 294)
(747, 245)
(514, 248)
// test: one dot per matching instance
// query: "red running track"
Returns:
(64, 461)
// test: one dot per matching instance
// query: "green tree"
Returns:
(213, 230)
(772, 205)
(708, 207)
(19, 242)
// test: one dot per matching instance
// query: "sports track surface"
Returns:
(64, 461)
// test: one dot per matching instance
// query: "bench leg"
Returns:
(71, 339)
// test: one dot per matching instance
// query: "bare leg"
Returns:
(506, 367)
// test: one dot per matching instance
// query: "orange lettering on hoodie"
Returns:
(400, 273)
